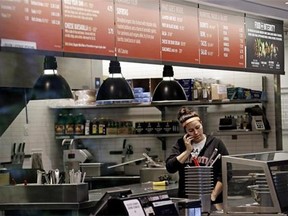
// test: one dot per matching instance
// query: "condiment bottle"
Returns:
(102, 127)
(80, 124)
(69, 126)
(94, 127)
(60, 125)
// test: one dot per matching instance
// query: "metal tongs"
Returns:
(146, 157)
(211, 161)
(151, 161)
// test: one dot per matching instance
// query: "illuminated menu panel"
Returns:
(179, 38)
(137, 29)
(222, 39)
(265, 44)
(89, 27)
(31, 24)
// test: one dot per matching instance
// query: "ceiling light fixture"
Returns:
(115, 87)
(51, 85)
(168, 89)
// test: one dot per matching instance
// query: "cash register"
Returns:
(124, 202)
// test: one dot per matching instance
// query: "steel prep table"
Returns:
(77, 208)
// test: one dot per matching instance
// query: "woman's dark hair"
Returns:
(185, 113)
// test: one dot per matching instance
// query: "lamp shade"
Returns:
(51, 85)
(115, 86)
(168, 89)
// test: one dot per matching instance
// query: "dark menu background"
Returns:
(222, 39)
(137, 29)
(88, 27)
(265, 44)
(31, 24)
(145, 30)
(179, 38)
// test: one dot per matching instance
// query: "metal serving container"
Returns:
(155, 173)
(52, 193)
(269, 186)
(97, 169)
(198, 185)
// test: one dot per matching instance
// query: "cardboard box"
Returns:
(241, 93)
(218, 92)
(187, 85)
(170, 127)
(141, 127)
(147, 85)
(256, 94)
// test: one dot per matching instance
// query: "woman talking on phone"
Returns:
(194, 149)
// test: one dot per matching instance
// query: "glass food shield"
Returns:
(259, 183)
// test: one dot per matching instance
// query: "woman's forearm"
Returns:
(183, 156)
(217, 190)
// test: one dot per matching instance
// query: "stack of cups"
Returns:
(198, 185)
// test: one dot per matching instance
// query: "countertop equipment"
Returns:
(123, 202)
(72, 157)
(269, 188)
(151, 172)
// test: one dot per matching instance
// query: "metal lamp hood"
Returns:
(168, 89)
(51, 85)
(115, 86)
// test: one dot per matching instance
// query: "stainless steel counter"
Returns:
(172, 189)
(74, 208)
(110, 181)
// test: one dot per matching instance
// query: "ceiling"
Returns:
(276, 9)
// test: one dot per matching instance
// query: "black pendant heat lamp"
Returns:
(51, 85)
(168, 89)
(115, 87)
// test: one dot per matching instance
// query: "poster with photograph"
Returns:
(265, 45)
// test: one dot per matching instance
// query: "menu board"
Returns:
(89, 27)
(137, 29)
(31, 24)
(222, 38)
(167, 31)
(178, 26)
(265, 44)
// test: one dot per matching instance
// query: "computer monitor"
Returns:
(102, 204)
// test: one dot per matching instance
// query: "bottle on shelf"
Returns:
(102, 126)
(69, 125)
(245, 122)
(197, 90)
(60, 125)
(94, 130)
(79, 127)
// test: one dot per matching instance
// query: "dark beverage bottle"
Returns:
(80, 121)
(69, 126)
(60, 125)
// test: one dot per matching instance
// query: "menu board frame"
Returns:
(88, 27)
(178, 32)
(221, 37)
(247, 43)
(264, 45)
(137, 32)
(31, 25)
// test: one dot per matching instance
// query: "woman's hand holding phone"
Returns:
(188, 140)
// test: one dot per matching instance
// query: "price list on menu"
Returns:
(89, 27)
(31, 24)
(222, 39)
(265, 44)
(137, 29)
(178, 39)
